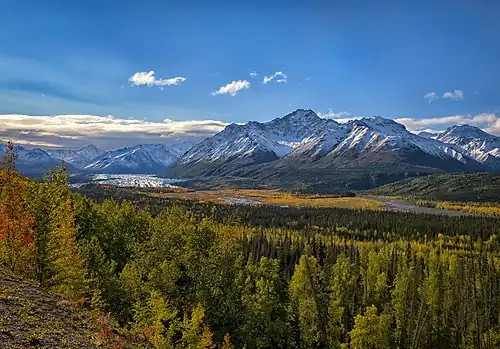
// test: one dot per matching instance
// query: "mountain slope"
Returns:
(34, 162)
(253, 143)
(78, 158)
(377, 142)
(144, 158)
(303, 141)
(478, 144)
(448, 187)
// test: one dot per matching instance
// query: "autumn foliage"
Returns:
(207, 276)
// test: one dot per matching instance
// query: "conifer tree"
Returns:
(341, 307)
(227, 342)
(69, 272)
(195, 334)
(371, 331)
(309, 302)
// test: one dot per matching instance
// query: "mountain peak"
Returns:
(380, 120)
(379, 123)
(479, 144)
(301, 115)
(427, 134)
(466, 130)
(91, 147)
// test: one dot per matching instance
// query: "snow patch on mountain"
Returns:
(142, 158)
(377, 133)
(304, 136)
(33, 156)
(477, 144)
(78, 158)
(271, 140)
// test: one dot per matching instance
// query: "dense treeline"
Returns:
(305, 181)
(181, 280)
(356, 224)
(466, 187)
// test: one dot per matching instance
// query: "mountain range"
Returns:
(292, 147)
(478, 144)
(303, 140)
(143, 158)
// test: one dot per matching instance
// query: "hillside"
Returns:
(186, 274)
(481, 187)
(32, 317)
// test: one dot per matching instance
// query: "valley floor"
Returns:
(400, 205)
(278, 198)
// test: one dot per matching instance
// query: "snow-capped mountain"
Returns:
(144, 158)
(427, 134)
(257, 142)
(36, 155)
(297, 142)
(78, 158)
(377, 141)
(373, 134)
(36, 161)
(303, 139)
(478, 144)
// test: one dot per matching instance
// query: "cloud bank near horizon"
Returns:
(489, 122)
(108, 132)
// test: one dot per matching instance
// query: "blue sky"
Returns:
(361, 57)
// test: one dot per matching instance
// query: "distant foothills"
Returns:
(298, 149)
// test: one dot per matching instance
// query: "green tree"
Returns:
(262, 296)
(195, 334)
(157, 322)
(69, 273)
(309, 303)
(341, 307)
(400, 302)
(371, 331)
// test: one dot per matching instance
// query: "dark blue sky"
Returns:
(363, 57)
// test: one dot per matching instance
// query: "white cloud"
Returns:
(455, 94)
(487, 121)
(494, 128)
(18, 141)
(341, 116)
(279, 76)
(105, 131)
(148, 78)
(334, 115)
(232, 88)
(431, 97)
(253, 74)
(420, 124)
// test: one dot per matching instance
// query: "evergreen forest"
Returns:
(186, 274)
